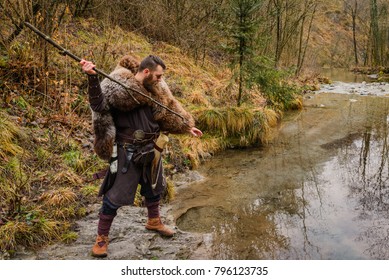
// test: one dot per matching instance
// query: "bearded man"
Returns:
(126, 125)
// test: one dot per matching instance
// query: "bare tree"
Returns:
(287, 18)
(351, 6)
(375, 38)
(308, 12)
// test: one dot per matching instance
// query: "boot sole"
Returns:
(160, 232)
(99, 255)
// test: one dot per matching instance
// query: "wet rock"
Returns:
(375, 89)
(373, 76)
(182, 179)
(4, 256)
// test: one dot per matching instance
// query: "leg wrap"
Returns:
(152, 208)
(105, 222)
(107, 213)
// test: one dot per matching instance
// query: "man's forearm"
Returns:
(96, 97)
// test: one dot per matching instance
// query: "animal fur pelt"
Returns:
(117, 97)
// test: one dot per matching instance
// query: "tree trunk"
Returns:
(242, 47)
(300, 50)
(278, 33)
(303, 46)
(354, 16)
(375, 36)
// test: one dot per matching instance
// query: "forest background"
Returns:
(236, 65)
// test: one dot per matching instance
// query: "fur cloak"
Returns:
(119, 98)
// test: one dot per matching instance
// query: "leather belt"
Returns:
(138, 137)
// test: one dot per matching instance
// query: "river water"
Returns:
(318, 190)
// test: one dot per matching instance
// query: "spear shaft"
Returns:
(68, 53)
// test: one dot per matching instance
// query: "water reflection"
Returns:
(344, 75)
(318, 191)
(347, 76)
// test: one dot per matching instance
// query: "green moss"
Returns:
(75, 160)
(4, 61)
(42, 154)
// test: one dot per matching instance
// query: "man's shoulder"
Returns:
(125, 72)
(125, 94)
(122, 75)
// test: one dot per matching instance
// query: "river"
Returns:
(318, 190)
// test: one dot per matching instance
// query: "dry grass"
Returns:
(90, 190)
(58, 197)
(104, 44)
(272, 117)
(198, 149)
(170, 192)
(197, 82)
(14, 233)
(69, 237)
(237, 121)
(9, 134)
(28, 233)
(297, 104)
(14, 186)
(212, 120)
(226, 127)
(196, 97)
(66, 177)
(59, 204)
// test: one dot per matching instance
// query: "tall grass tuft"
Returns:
(58, 197)
(67, 177)
(198, 149)
(213, 120)
(170, 192)
(242, 126)
(14, 233)
(9, 133)
(14, 185)
(59, 203)
(28, 234)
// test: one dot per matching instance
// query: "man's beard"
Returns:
(147, 82)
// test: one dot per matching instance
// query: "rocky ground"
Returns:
(376, 89)
(129, 240)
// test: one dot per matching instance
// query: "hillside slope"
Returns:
(331, 43)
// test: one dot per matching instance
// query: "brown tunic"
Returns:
(124, 188)
(120, 188)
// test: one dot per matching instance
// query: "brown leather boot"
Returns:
(157, 225)
(101, 246)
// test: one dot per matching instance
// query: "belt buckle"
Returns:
(139, 135)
